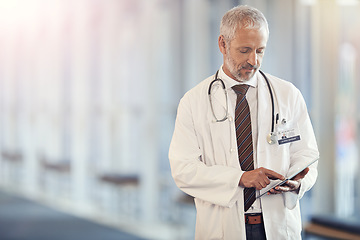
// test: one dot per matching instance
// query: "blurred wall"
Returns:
(89, 91)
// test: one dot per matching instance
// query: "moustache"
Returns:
(248, 66)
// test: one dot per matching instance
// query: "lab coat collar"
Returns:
(229, 82)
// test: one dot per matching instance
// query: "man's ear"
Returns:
(222, 44)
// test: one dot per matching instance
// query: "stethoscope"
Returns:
(271, 137)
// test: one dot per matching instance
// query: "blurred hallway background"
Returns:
(89, 91)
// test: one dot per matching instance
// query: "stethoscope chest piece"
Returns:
(271, 138)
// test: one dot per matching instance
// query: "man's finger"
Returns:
(283, 188)
(301, 175)
(273, 175)
(304, 172)
(274, 191)
(289, 184)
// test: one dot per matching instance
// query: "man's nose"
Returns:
(252, 58)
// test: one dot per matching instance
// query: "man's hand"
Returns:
(291, 185)
(258, 178)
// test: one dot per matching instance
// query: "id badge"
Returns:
(287, 132)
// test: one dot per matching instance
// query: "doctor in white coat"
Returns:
(203, 152)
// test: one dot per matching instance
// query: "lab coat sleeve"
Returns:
(216, 184)
(304, 150)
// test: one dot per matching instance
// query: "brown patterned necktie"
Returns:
(244, 139)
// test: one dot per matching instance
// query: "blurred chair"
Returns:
(11, 169)
(120, 196)
(54, 177)
(331, 227)
(186, 215)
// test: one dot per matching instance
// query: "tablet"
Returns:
(296, 169)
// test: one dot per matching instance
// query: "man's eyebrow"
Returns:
(250, 48)
(243, 47)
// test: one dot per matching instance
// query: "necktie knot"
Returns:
(241, 89)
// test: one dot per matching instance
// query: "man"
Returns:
(220, 152)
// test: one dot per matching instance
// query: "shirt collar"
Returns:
(229, 82)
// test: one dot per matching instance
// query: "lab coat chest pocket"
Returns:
(221, 142)
(274, 156)
(281, 153)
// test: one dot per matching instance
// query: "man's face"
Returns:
(244, 53)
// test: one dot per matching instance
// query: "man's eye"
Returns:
(244, 50)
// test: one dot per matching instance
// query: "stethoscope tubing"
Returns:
(213, 81)
(223, 86)
(272, 101)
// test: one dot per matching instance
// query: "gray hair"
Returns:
(242, 16)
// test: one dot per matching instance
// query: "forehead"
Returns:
(248, 37)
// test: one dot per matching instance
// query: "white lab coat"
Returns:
(205, 165)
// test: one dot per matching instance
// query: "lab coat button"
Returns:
(230, 119)
(232, 150)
